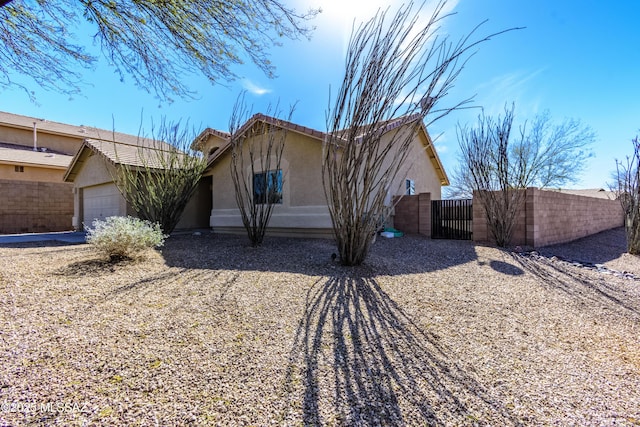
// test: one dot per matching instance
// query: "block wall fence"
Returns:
(550, 217)
(546, 217)
(34, 207)
(413, 214)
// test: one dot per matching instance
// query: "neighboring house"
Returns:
(34, 155)
(599, 193)
(302, 208)
(92, 172)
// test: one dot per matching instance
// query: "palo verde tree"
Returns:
(627, 187)
(397, 71)
(154, 42)
(159, 176)
(499, 164)
(257, 145)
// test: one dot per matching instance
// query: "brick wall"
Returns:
(413, 214)
(481, 231)
(550, 217)
(33, 207)
(559, 217)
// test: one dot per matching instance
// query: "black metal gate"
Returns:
(452, 219)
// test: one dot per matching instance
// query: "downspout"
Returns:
(35, 137)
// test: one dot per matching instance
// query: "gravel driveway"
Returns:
(213, 332)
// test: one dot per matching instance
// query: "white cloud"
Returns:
(517, 87)
(253, 88)
(441, 142)
(441, 148)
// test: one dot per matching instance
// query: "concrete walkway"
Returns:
(72, 237)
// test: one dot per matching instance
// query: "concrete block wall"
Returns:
(424, 212)
(480, 227)
(557, 217)
(34, 207)
(413, 214)
(550, 217)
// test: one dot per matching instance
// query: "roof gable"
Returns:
(384, 127)
(431, 152)
(142, 154)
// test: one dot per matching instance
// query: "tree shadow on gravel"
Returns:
(406, 255)
(358, 359)
(506, 268)
(595, 293)
(597, 248)
(152, 284)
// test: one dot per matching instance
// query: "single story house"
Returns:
(92, 173)
(302, 208)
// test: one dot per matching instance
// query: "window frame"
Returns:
(271, 178)
(409, 187)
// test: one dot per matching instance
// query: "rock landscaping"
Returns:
(599, 268)
(212, 332)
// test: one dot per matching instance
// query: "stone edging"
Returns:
(599, 268)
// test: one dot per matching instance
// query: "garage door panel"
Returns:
(101, 201)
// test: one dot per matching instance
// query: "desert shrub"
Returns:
(121, 237)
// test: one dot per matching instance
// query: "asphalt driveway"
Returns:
(64, 237)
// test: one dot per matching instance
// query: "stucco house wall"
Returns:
(96, 195)
(304, 211)
(30, 172)
(196, 213)
(418, 167)
(45, 139)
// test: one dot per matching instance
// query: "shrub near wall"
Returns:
(33, 207)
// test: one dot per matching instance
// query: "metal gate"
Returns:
(452, 219)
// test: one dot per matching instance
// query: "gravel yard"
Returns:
(213, 332)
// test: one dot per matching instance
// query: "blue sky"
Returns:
(577, 59)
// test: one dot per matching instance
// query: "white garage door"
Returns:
(99, 202)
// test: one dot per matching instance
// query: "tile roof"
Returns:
(383, 127)
(259, 117)
(280, 123)
(81, 132)
(142, 154)
(207, 133)
(19, 154)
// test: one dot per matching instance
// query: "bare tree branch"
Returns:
(396, 75)
(627, 187)
(499, 166)
(156, 43)
(256, 154)
(161, 180)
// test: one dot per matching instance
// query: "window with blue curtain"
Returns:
(267, 187)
